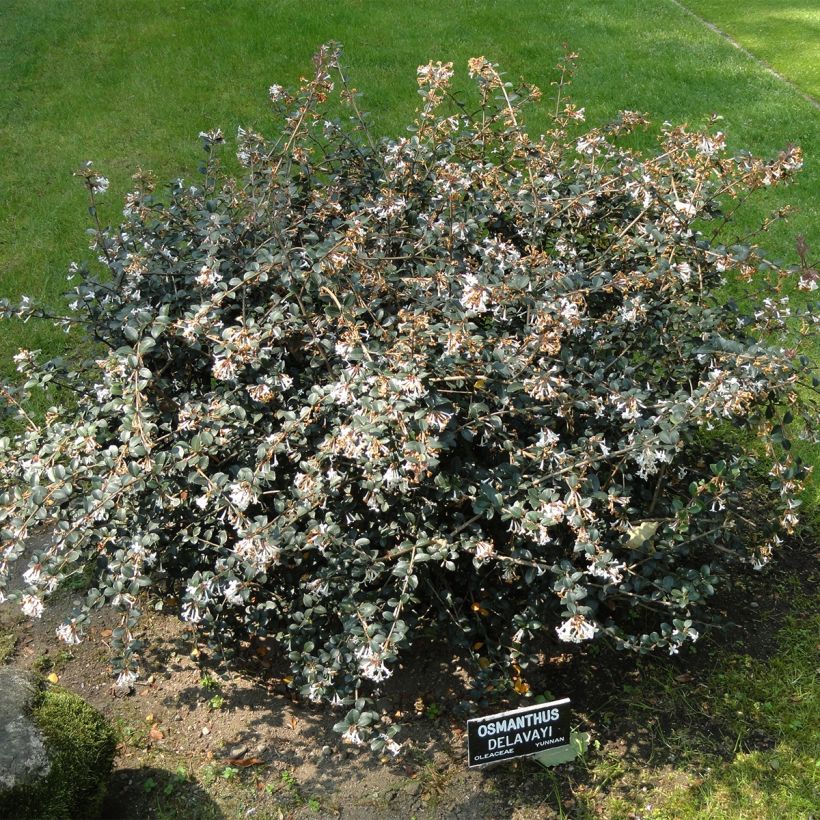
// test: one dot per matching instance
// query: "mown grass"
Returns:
(732, 734)
(783, 33)
(775, 700)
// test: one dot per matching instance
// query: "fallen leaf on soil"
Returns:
(149, 718)
(53, 678)
(155, 733)
(244, 761)
(106, 633)
(293, 723)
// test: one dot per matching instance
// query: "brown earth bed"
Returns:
(201, 743)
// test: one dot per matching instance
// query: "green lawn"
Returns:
(767, 713)
(776, 696)
(784, 34)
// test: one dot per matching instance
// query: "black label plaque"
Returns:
(517, 733)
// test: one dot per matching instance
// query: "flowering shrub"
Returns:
(457, 381)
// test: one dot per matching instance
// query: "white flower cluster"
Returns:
(371, 664)
(576, 629)
(259, 552)
(31, 606)
(474, 297)
(68, 633)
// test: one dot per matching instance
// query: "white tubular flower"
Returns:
(214, 137)
(809, 281)
(306, 485)
(99, 184)
(242, 495)
(709, 145)
(410, 387)
(224, 369)
(391, 476)
(67, 633)
(630, 408)
(32, 606)
(553, 511)
(576, 629)
(125, 681)
(686, 208)
(232, 594)
(257, 552)
(352, 736)
(547, 439)
(474, 297)
(372, 666)
(191, 613)
(607, 568)
(435, 74)
(207, 276)
(260, 392)
(33, 574)
(484, 551)
(390, 745)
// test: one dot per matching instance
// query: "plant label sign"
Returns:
(518, 733)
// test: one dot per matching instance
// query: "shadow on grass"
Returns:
(772, 783)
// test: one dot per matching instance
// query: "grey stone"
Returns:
(23, 757)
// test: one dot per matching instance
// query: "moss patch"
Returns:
(7, 644)
(81, 745)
